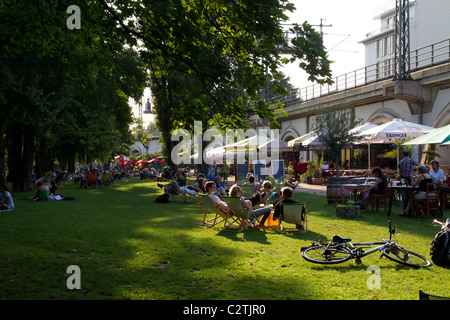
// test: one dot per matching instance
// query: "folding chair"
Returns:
(247, 190)
(219, 217)
(275, 195)
(91, 179)
(293, 213)
(106, 179)
(242, 214)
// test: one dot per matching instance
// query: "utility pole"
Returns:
(402, 41)
(321, 25)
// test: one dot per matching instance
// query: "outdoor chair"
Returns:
(431, 200)
(293, 213)
(106, 179)
(242, 214)
(219, 215)
(445, 200)
(375, 199)
(91, 179)
(247, 190)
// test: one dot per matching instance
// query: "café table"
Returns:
(409, 190)
(354, 188)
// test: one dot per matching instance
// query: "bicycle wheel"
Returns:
(324, 254)
(405, 257)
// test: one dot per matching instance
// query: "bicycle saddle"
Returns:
(338, 239)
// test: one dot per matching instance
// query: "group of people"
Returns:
(262, 192)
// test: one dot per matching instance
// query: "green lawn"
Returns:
(128, 247)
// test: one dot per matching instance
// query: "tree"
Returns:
(333, 128)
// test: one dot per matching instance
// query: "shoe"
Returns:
(299, 226)
(160, 185)
(296, 184)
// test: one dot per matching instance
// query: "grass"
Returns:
(128, 247)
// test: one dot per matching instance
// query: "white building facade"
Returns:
(429, 29)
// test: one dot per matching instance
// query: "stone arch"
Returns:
(443, 117)
(382, 116)
(290, 133)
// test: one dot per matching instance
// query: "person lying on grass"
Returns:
(286, 194)
(177, 186)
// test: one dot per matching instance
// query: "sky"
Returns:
(346, 22)
(350, 21)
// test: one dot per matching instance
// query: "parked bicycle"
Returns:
(445, 226)
(339, 250)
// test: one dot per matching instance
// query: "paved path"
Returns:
(311, 188)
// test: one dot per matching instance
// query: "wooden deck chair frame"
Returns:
(242, 214)
(211, 207)
(276, 189)
(292, 214)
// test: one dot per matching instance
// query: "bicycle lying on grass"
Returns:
(339, 250)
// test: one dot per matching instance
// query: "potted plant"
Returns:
(349, 209)
(317, 177)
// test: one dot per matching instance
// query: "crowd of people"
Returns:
(262, 193)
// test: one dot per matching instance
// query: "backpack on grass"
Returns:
(440, 249)
(164, 198)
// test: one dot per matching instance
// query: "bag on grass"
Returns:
(440, 249)
(164, 198)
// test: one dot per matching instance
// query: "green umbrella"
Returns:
(437, 136)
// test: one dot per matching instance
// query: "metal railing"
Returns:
(424, 57)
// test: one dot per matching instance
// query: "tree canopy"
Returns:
(65, 91)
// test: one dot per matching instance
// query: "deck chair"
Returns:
(91, 179)
(211, 207)
(106, 179)
(426, 296)
(293, 213)
(275, 195)
(242, 214)
(247, 190)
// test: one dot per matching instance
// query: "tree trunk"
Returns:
(21, 152)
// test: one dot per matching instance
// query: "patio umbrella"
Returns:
(437, 136)
(275, 145)
(161, 160)
(395, 129)
(302, 138)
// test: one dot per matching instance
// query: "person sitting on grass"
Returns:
(43, 192)
(6, 200)
(286, 194)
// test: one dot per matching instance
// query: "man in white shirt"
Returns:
(211, 187)
(436, 173)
